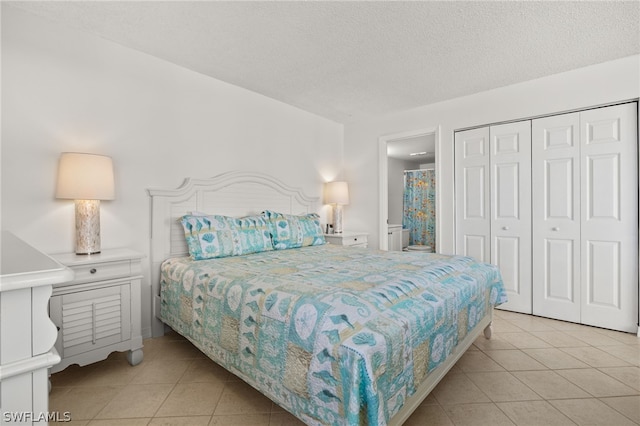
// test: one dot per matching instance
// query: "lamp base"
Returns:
(87, 226)
(337, 219)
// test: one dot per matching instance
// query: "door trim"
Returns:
(383, 173)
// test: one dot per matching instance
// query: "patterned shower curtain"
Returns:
(420, 207)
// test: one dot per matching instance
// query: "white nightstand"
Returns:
(351, 239)
(99, 312)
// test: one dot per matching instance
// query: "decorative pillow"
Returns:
(221, 236)
(290, 231)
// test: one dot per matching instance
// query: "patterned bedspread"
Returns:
(335, 335)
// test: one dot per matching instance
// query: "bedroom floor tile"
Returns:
(591, 412)
(477, 414)
(239, 398)
(81, 404)
(284, 419)
(477, 361)
(205, 370)
(629, 353)
(120, 422)
(503, 386)
(241, 420)
(554, 358)
(495, 343)
(630, 376)
(627, 405)
(432, 415)
(161, 371)
(559, 339)
(179, 349)
(523, 340)
(597, 383)
(534, 413)
(180, 421)
(191, 399)
(458, 389)
(135, 401)
(595, 357)
(550, 385)
(534, 371)
(515, 360)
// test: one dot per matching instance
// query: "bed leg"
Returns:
(488, 330)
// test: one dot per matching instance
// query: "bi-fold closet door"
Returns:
(557, 212)
(493, 203)
(585, 221)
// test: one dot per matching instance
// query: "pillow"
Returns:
(289, 231)
(214, 236)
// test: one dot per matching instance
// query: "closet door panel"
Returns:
(475, 246)
(510, 161)
(559, 277)
(609, 225)
(506, 252)
(555, 154)
(472, 193)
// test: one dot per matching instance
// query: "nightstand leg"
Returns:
(135, 357)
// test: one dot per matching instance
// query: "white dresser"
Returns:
(27, 335)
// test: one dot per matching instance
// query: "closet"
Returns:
(553, 202)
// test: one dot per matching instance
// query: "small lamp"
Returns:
(87, 179)
(337, 194)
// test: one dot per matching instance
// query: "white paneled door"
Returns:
(473, 222)
(493, 204)
(553, 202)
(510, 160)
(609, 222)
(555, 171)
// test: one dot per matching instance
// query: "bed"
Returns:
(334, 335)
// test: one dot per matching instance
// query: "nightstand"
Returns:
(99, 312)
(351, 239)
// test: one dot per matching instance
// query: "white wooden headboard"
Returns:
(229, 194)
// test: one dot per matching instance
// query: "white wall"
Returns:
(64, 90)
(594, 85)
(395, 190)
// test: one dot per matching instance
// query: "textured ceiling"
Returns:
(352, 60)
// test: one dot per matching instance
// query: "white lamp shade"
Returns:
(85, 177)
(336, 193)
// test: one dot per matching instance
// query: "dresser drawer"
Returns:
(101, 271)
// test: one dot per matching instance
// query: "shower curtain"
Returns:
(420, 207)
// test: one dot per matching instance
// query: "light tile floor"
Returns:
(534, 371)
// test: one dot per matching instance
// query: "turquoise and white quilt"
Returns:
(335, 335)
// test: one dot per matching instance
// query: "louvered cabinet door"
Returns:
(92, 319)
(510, 147)
(556, 216)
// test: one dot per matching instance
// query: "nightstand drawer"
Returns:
(349, 239)
(356, 240)
(101, 271)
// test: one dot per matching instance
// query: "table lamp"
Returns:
(87, 179)
(336, 194)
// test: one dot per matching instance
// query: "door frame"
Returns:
(383, 173)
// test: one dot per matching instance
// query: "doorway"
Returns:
(412, 150)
